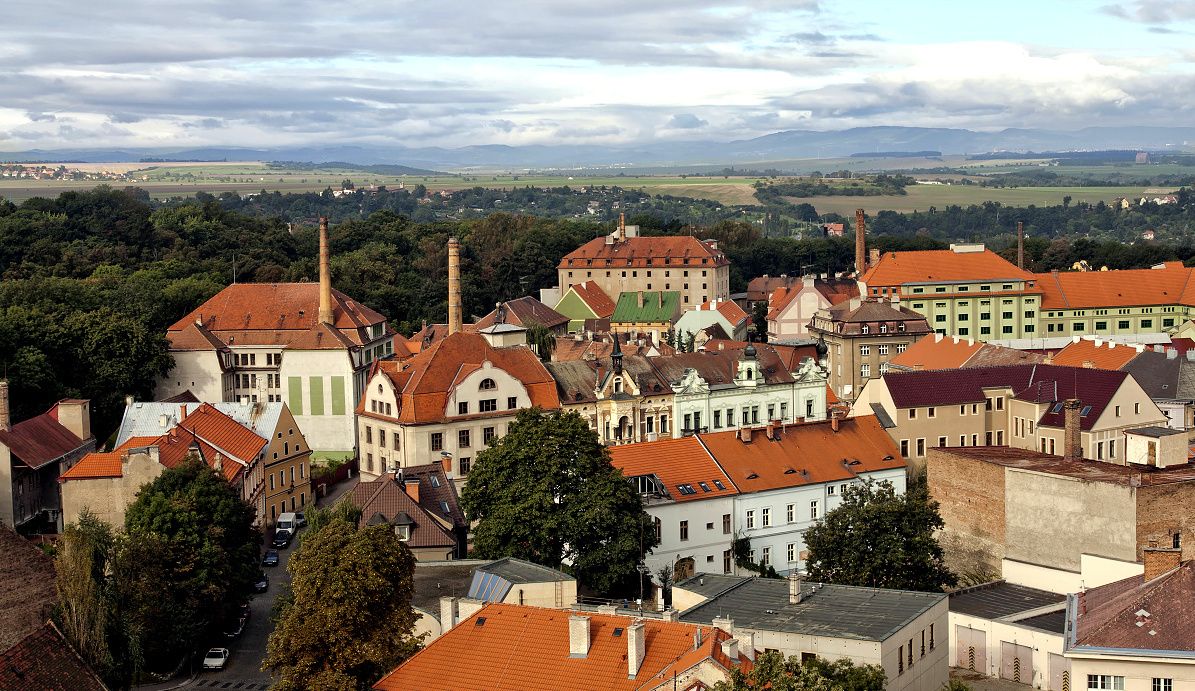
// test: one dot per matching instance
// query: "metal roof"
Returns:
(1155, 431)
(1054, 622)
(835, 611)
(520, 571)
(1001, 599)
(153, 419)
(709, 585)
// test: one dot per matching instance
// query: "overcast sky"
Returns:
(460, 72)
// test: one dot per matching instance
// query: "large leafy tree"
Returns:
(548, 493)
(772, 671)
(880, 539)
(348, 619)
(189, 559)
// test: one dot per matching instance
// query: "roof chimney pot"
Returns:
(578, 636)
(636, 647)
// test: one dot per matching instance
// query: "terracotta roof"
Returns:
(386, 498)
(592, 295)
(1123, 288)
(27, 593)
(1136, 615)
(513, 647)
(524, 312)
(647, 307)
(44, 661)
(676, 462)
(941, 266)
(424, 381)
(225, 435)
(194, 337)
(804, 454)
(761, 287)
(105, 464)
(319, 337)
(835, 290)
(719, 368)
(1085, 352)
(41, 439)
(935, 351)
(662, 251)
(1034, 383)
(729, 309)
(568, 348)
(871, 311)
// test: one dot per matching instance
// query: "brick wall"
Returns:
(970, 494)
(1161, 511)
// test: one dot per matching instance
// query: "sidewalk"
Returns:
(335, 492)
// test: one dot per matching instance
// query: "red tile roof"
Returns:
(524, 312)
(729, 309)
(27, 594)
(1034, 383)
(1132, 614)
(386, 497)
(40, 440)
(661, 251)
(1170, 285)
(105, 464)
(592, 295)
(44, 661)
(520, 648)
(223, 434)
(932, 266)
(1096, 353)
(676, 462)
(760, 287)
(835, 290)
(803, 454)
(935, 351)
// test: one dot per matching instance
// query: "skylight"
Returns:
(719, 485)
(704, 487)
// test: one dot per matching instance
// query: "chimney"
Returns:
(875, 257)
(5, 419)
(1020, 244)
(771, 430)
(411, 485)
(745, 434)
(835, 419)
(860, 243)
(1160, 560)
(578, 636)
(622, 227)
(636, 647)
(454, 286)
(747, 644)
(730, 648)
(794, 589)
(1072, 440)
(446, 464)
(325, 274)
(448, 613)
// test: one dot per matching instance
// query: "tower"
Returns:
(325, 275)
(860, 243)
(454, 286)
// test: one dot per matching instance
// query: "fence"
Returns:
(345, 471)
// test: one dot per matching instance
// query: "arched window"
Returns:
(379, 388)
(750, 373)
(488, 385)
(618, 385)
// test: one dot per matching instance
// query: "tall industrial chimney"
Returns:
(454, 286)
(1020, 244)
(325, 275)
(5, 420)
(860, 243)
(1072, 435)
(622, 227)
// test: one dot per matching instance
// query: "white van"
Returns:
(286, 522)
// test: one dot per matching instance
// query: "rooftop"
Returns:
(521, 571)
(41, 439)
(935, 351)
(942, 266)
(386, 501)
(684, 467)
(596, 298)
(646, 307)
(661, 251)
(1168, 283)
(525, 311)
(1081, 469)
(1097, 353)
(44, 661)
(1001, 599)
(835, 611)
(27, 593)
(1138, 615)
(708, 585)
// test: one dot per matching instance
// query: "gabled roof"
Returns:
(225, 435)
(106, 464)
(1138, 615)
(679, 464)
(569, 348)
(513, 647)
(941, 266)
(27, 593)
(661, 251)
(154, 418)
(41, 439)
(437, 495)
(1033, 383)
(835, 291)
(1097, 353)
(804, 454)
(657, 306)
(719, 367)
(44, 661)
(387, 498)
(1168, 284)
(761, 287)
(595, 298)
(524, 312)
(425, 380)
(728, 309)
(873, 311)
(935, 351)
(194, 337)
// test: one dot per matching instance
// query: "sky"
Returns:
(262, 73)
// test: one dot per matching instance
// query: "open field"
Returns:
(921, 197)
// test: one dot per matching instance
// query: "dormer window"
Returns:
(487, 385)
(865, 329)
(403, 532)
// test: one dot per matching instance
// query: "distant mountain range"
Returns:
(780, 146)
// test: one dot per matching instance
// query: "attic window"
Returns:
(444, 507)
(435, 479)
(480, 621)
(752, 476)
(704, 486)
(618, 632)
(1057, 407)
(1085, 411)
(789, 471)
(487, 385)
(719, 485)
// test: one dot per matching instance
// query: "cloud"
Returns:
(685, 121)
(1153, 11)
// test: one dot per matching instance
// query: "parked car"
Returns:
(245, 611)
(262, 583)
(281, 539)
(300, 520)
(236, 628)
(216, 658)
(271, 558)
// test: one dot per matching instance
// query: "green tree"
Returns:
(772, 671)
(85, 609)
(348, 619)
(759, 320)
(188, 562)
(541, 340)
(880, 539)
(548, 493)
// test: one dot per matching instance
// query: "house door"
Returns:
(1060, 673)
(972, 648)
(1016, 662)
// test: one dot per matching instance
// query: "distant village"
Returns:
(34, 171)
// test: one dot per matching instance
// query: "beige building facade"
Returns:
(861, 337)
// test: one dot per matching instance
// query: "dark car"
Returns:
(271, 558)
(262, 583)
(281, 539)
(235, 628)
(245, 611)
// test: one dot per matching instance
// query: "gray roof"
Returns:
(440, 579)
(153, 419)
(882, 415)
(1001, 599)
(1155, 431)
(835, 611)
(519, 571)
(709, 585)
(1054, 622)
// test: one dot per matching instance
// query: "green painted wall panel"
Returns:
(316, 384)
(338, 395)
(295, 385)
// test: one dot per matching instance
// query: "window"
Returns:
(1120, 324)
(465, 463)
(900, 660)
(437, 441)
(751, 520)
(717, 419)
(900, 347)
(813, 510)
(726, 561)
(790, 513)
(1136, 409)
(487, 385)
(487, 435)
(512, 402)
(931, 412)
(462, 408)
(942, 442)
(865, 350)
(912, 413)
(792, 558)
(904, 448)
(883, 350)
(931, 636)
(1111, 448)
(865, 371)
(1117, 410)
(921, 447)
(382, 438)
(766, 517)
(725, 523)
(767, 557)
(999, 403)
(1105, 682)
(487, 405)
(368, 434)
(1162, 684)
(462, 439)
(684, 531)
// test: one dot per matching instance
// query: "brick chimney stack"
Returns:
(1072, 439)
(622, 227)
(1160, 560)
(1020, 244)
(411, 487)
(5, 419)
(636, 647)
(454, 286)
(325, 274)
(860, 243)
